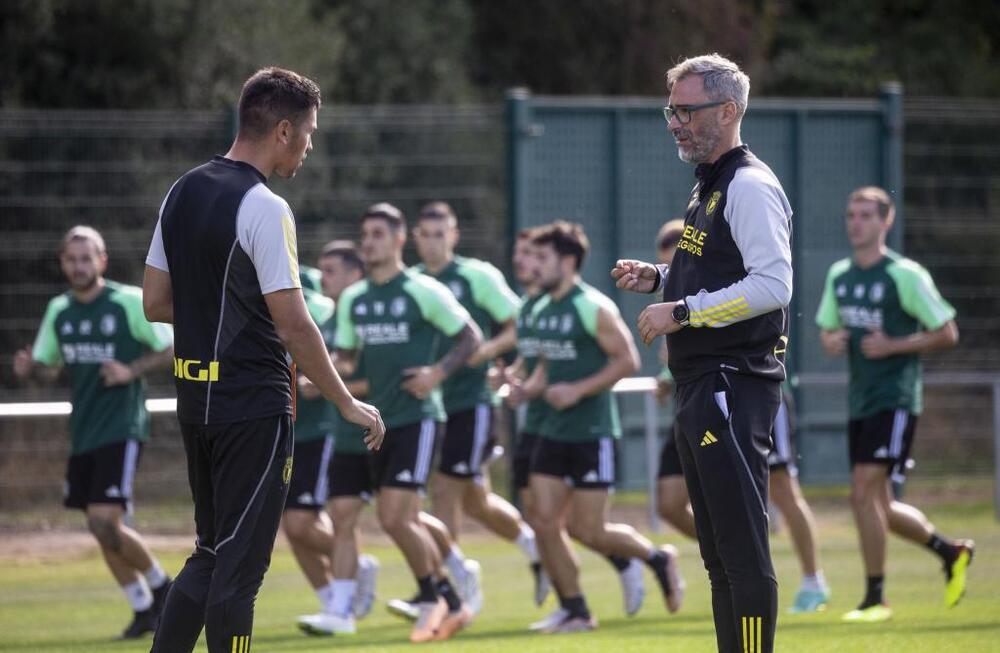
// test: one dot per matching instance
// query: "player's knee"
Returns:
(586, 534)
(672, 508)
(344, 522)
(296, 527)
(106, 531)
(393, 522)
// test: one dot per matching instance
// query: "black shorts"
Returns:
(103, 475)
(351, 476)
(310, 485)
(670, 460)
(885, 438)
(404, 461)
(782, 455)
(467, 442)
(584, 465)
(521, 462)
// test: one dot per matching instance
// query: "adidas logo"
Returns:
(881, 452)
(405, 476)
(708, 439)
(306, 498)
(460, 468)
(590, 477)
(114, 492)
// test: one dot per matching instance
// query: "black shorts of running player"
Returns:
(351, 476)
(102, 475)
(310, 485)
(670, 460)
(782, 455)
(583, 465)
(883, 438)
(467, 442)
(404, 460)
(521, 463)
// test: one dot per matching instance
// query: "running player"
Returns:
(331, 464)
(463, 483)
(883, 310)
(525, 265)
(396, 317)
(584, 349)
(672, 495)
(223, 268)
(98, 333)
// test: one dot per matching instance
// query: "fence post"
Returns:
(996, 448)
(649, 407)
(518, 129)
(891, 94)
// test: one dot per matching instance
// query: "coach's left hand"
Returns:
(657, 320)
(116, 373)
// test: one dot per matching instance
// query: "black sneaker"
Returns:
(142, 623)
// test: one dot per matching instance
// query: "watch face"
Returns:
(680, 313)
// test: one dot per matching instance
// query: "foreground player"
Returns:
(463, 484)
(672, 495)
(883, 310)
(584, 349)
(395, 318)
(223, 268)
(98, 332)
(330, 464)
(525, 265)
(724, 311)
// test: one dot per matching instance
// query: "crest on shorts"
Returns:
(713, 202)
(286, 473)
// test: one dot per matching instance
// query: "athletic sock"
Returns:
(426, 593)
(657, 562)
(562, 601)
(873, 593)
(343, 597)
(447, 592)
(618, 562)
(155, 576)
(455, 561)
(814, 582)
(325, 595)
(138, 595)
(577, 607)
(526, 540)
(945, 550)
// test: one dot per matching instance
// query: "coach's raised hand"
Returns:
(637, 276)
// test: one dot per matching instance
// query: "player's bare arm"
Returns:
(615, 340)
(421, 381)
(305, 344)
(119, 373)
(878, 345)
(157, 296)
(504, 341)
(834, 341)
(27, 369)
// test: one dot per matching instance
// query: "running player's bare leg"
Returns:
(868, 483)
(491, 510)
(787, 495)
(906, 520)
(446, 501)
(398, 513)
(588, 524)
(310, 536)
(674, 504)
(345, 512)
(123, 548)
(552, 497)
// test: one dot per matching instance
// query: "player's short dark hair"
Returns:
(886, 207)
(346, 252)
(272, 95)
(527, 233)
(438, 211)
(387, 212)
(567, 238)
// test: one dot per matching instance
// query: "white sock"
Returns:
(325, 595)
(155, 576)
(814, 583)
(343, 597)
(526, 540)
(455, 561)
(138, 595)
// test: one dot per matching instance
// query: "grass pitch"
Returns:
(70, 604)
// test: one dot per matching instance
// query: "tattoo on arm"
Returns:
(465, 344)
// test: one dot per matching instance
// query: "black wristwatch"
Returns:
(681, 314)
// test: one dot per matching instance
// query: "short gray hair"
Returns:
(722, 79)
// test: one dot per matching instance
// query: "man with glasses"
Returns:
(724, 312)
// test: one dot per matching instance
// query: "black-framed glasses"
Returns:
(684, 112)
